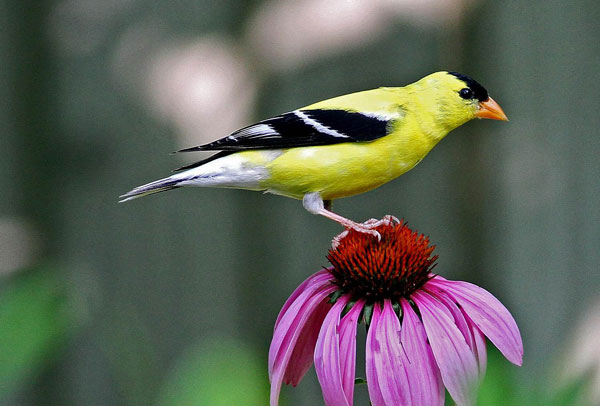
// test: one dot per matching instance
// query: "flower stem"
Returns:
(360, 381)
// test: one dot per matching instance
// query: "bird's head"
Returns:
(455, 99)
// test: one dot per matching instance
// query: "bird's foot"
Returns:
(366, 227)
(387, 220)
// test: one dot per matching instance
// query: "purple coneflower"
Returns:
(424, 332)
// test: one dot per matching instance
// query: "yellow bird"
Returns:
(337, 147)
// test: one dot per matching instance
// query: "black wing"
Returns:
(302, 128)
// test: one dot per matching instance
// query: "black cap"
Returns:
(479, 91)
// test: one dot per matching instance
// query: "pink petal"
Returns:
(426, 385)
(386, 367)
(453, 356)
(315, 279)
(488, 314)
(373, 385)
(287, 333)
(457, 315)
(372, 345)
(303, 353)
(480, 350)
(327, 357)
(286, 318)
(469, 330)
(348, 327)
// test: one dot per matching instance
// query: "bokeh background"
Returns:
(171, 299)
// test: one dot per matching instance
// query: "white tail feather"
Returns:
(231, 171)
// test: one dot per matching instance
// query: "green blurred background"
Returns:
(171, 300)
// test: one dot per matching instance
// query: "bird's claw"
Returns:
(391, 219)
(366, 227)
(387, 220)
(338, 239)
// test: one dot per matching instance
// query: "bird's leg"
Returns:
(315, 205)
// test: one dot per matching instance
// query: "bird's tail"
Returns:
(221, 170)
(160, 185)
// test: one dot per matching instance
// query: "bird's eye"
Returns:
(466, 93)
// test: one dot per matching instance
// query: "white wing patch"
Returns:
(382, 116)
(259, 129)
(318, 126)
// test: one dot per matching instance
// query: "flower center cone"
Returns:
(392, 268)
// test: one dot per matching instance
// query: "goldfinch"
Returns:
(337, 147)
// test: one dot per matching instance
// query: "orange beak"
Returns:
(491, 109)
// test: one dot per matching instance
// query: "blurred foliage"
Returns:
(574, 394)
(36, 320)
(501, 386)
(217, 372)
(127, 343)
